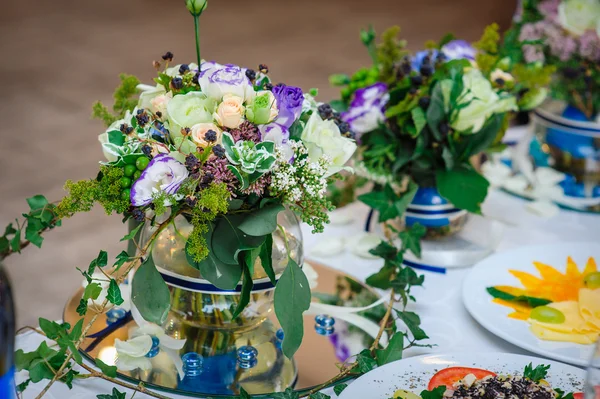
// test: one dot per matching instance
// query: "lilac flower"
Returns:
(289, 100)
(278, 134)
(163, 174)
(366, 109)
(459, 49)
(549, 9)
(589, 45)
(219, 80)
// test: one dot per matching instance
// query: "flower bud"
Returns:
(196, 7)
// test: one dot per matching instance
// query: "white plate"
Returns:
(495, 271)
(413, 374)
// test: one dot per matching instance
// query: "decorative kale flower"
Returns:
(164, 174)
(249, 160)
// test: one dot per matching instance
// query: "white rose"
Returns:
(483, 102)
(188, 110)
(148, 94)
(230, 111)
(198, 133)
(323, 138)
(577, 16)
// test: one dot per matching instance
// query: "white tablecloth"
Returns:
(439, 304)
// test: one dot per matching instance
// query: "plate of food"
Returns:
(545, 299)
(469, 375)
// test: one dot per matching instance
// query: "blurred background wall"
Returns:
(60, 56)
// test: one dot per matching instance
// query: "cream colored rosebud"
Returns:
(230, 112)
(198, 133)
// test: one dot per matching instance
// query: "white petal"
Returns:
(128, 363)
(516, 183)
(543, 208)
(136, 347)
(340, 217)
(176, 359)
(170, 342)
(328, 246)
(363, 243)
(148, 329)
(496, 172)
(547, 192)
(548, 176)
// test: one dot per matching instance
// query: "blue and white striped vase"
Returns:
(430, 209)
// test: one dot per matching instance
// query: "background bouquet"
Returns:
(420, 118)
(564, 34)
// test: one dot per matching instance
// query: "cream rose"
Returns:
(198, 133)
(230, 112)
(159, 103)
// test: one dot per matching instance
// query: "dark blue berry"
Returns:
(183, 68)
(147, 150)
(168, 56)
(177, 83)
(416, 80)
(426, 70)
(412, 90)
(444, 128)
(196, 78)
(269, 86)
(251, 74)
(263, 68)
(219, 151)
(424, 102)
(138, 215)
(210, 136)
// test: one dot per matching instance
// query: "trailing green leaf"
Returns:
(150, 293)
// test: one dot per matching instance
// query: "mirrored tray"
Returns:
(317, 359)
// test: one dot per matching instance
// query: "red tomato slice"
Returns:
(580, 395)
(452, 375)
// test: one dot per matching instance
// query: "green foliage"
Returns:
(389, 204)
(392, 352)
(529, 300)
(437, 393)
(263, 221)
(560, 394)
(389, 53)
(465, 188)
(115, 394)
(413, 323)
(100, 261)
(110, 371)
(292, 298)
(123, 256)
(536, 374)
(105, 189)
(211, 202)
(339, 388)
(114, 293)
(365, 361)
(319, 395)
(287, 394)
(411, 239)
(124, 100)
(150, 294)
(487, 56)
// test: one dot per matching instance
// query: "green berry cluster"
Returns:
(132, 172)
(362, 78)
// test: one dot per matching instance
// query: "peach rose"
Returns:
(159, 103)
(230, 111)
(198, 133)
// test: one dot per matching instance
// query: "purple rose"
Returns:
(366, 109)
(163, 174)
(289, 101)
(218, 80)
(459, 49)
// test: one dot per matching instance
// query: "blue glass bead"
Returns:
(155, 349)
(279, 335)
(115, 314)
(324, 324)
(246, 356)
(192, 364)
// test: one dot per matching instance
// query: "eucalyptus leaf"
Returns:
(220, 274)
(292, 298)
(231, 240)
(150, 294)
(436, 112)
(247, 285)
(262, 221)
(266, 257)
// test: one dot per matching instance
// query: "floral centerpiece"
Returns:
(566, 35)
(420, 118)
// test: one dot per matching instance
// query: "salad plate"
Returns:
(416, 374)
(502, 291)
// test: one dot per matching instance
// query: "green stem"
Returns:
(197, 31)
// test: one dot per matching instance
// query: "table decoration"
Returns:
(532, 297)
(213, 164)
(420, 118)
(426, 377)
(564, 35)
